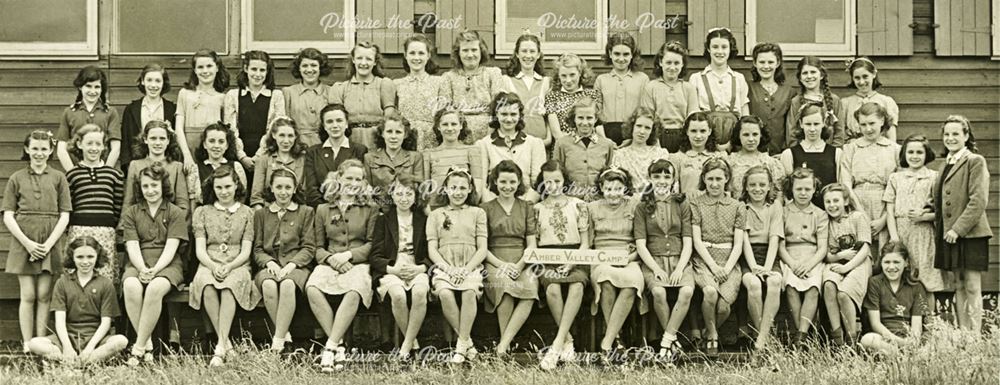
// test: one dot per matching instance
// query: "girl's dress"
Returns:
(611, 226)
(37, 200)
(84, 307)
(672, 105)
(456, 231)
(718, 217)
(866, 166)
(560, 102)
(366, 102)
(418, 98)
(152, 232)
(847, 233)
(199, 109)
(773, 109)
(559, 225)
(303, 105)
(636, 161)
(663, 224)
(909, 190)
(761, 225)
(508, 233)
(896, 307)
(822, 161)
(472, 93)
(284, 235)
(533, 97)
(224, 231)
(740, 162)
(97, 205)
(338, 230)
(689, 165)
(804, 229)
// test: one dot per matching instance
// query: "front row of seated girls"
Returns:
(675, 244)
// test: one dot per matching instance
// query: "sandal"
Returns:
(712, 347)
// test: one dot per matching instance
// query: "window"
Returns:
(181, 27)
(804, 27)
(576, 26)
(327, 25)
(64, 29)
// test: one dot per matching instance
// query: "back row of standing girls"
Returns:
(665, 110)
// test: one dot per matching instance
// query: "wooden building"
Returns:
(935, 57)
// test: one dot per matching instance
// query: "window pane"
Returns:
(313, 20)
(175, 26)
(570, 21)
(58, 21)
(801, 21)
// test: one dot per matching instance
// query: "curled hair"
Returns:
(801, 173)
(243, 80)
(842, 189)
(464, 37)
(443, 199)
(201, 153)
(504, 99)
(376, 68)
(407, 180)
(765, 138)
(153, 67)
(323, 135)
(330, 188)
(89, 74)
(772, 193)
(462, 134)
(569, 60)
(221, 76)
(74, 145)
(900, 249)
(661, 166)
(641, 112)
(155, 172)
(325, 67)
(929, 155)
(431, 68)
(283, 172)
(514, 64)
(966, 127)
(811, 108)
(614, 173)
(868, 65)
(43, 135)
(779, 73)
(173, 151)
(208, 188)
(626, 39)
(85, 241)
(506, 165)
(271, 145)
(716, 163)
(698, 116)
(872, 108)
(550, 165)
(409, 135)
(584, 102)
(721, 33)
(672, 46)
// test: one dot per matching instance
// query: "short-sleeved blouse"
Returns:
(559, 102)
(200, 108)
(438, 160)
(152, 232)
(224, 229)
(611, 225)
(365, 101)
(472, 92)
(419, 97)
(866, 162)
(303, 105)
(31, 193)
(717, 217)
(764, 223)
(672, 104)
(808, 225)
(896, 308)
(855, 227)
(620, 93)
(560, 223)
(741, 162)
(910, 190)
(721, 88)
(456, 229)
(636, 161)
(852, 103)
(689, 166)
(509, 230)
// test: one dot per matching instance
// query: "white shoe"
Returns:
(340, 358)
(460, 350)
(471, 352)
(568, 353)
(326, 360)
(551, 359)
(277, 345)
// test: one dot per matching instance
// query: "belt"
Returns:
(727, 245)
(364, 124)
(870, 184)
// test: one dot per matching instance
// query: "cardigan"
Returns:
(385, 242)
(132, 128)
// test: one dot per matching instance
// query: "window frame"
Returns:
(58, 50)
(291, 47)
(116, 33)
(791, 50)
(588, 49)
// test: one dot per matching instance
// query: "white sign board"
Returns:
(576, 257)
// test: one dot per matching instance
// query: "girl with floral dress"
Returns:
(749, 144)
(574, 83)
(422, 92)
(471, 84)
(640, 129)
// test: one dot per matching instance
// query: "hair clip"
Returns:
(458, 170)
(718, 28)
(850, 61)
(612, 170)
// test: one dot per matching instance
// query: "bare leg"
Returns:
(418, 309)
(569, 311)
(469, 308)
(286, 308)
(400, 311)
(619, 313)
(681, 307)
(227, 311)
(345, 316)
(269, 290)
(112, 346)
(521, 312)
(794, 306)
(44, 296)
(661, 307)
(152, 305)
(504, 310)
(44, 347)
(830, 293)
(449, 305)
(132, 292)
(755, 298)
(974, 299)
(320, 308)
(808, 312)
(771, 303)
(26, 308)
(848, 314)
(708, 311)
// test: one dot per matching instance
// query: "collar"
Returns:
(221, 161)
(579, 89)
(354, 80)
(950, 159)
(263, 91)
(923, 173)
(275, 209)
(535, 75)
(232, 209)
(320, 88)
(708, 200)
(708, 70)
(275, 159)
(80, 105)
(692, 153)
(881, 141)
(449, 207)
(628, 74)
(501, 141)
(147, 103)
(863, 97)
(31, 171)
(577, 138)
(162, 207)
(343, 144)
(818, 147)
(811, 209)
(417, 78)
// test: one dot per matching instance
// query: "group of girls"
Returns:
(433, 187)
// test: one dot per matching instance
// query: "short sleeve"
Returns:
(433, 226)
(114, 124)
(65, 199)
(531, 221)
(741, 216)
(62, 134)
(822, 228)
(10, 194)
(872, 298)
(127, 224)
(889, 196)
(387, 92)
(695, 214)
(109, 300)
(639, 222)
(58, 302)
(686, 230)
(198, 223)
(776, 226)
(482, 231)
(919, 301)
(182, 101)
(582, 216)
(176, 223)
(862, 226)
(246, 214)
